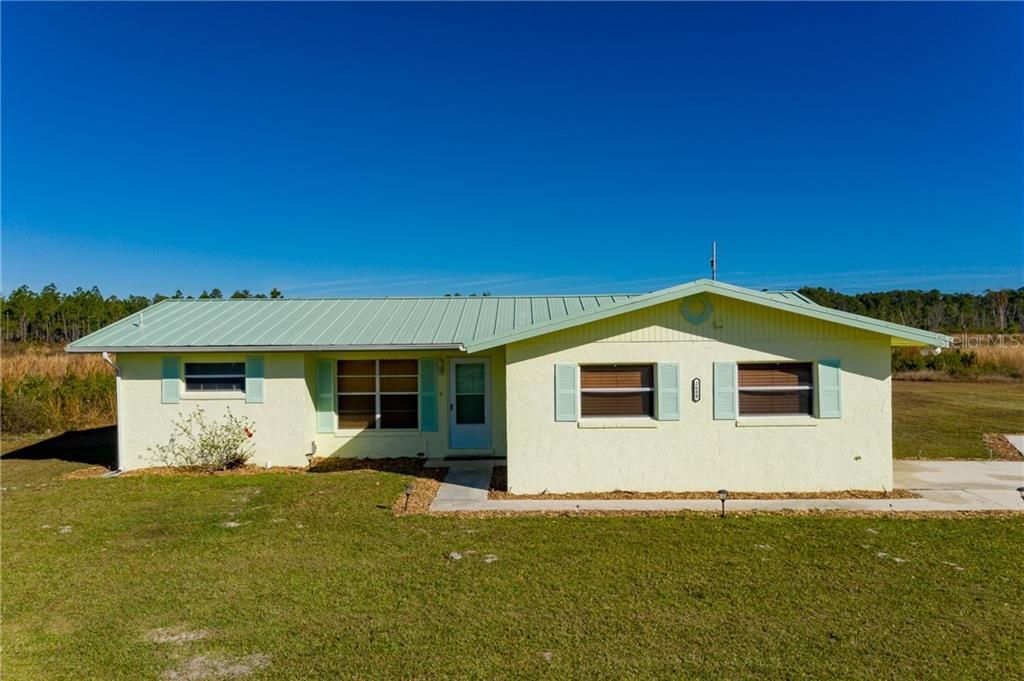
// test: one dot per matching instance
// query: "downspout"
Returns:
(117, 399)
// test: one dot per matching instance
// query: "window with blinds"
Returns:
(378, 393)
(776, 389)
(214, 376)
(615, 390)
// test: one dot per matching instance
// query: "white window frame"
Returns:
(230, 392)
(581, 390)
(377, 394)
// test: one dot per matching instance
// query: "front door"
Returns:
(469, 408)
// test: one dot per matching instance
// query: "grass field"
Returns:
(150, 577)
(947, 419)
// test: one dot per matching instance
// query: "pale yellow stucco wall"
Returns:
(285, 423)
(282, 422)
(698, 452)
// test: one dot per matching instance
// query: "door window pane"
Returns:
(469, 409)
(469, 378)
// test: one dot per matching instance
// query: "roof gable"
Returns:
(788, 301)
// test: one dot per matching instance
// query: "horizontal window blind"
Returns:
(776, 389)
(617, 390)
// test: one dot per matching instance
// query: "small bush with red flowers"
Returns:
(199, 443)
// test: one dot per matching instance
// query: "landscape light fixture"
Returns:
(408, 493)
(723, 494)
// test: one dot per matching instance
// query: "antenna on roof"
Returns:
(714, 261)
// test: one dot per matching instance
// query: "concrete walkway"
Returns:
(942, 486)
(1017, 441)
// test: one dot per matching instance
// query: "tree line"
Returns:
(51, 316)
(994, 311)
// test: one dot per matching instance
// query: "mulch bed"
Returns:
(424, 489)
(1000, 447)
(823, 513)
(169, 471)
(499, 490)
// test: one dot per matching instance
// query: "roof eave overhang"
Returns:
(176, 349)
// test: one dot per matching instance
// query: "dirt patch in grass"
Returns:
(85, 473)
(217, 667)
(176, 635)
(1000, 446)
(499, 490)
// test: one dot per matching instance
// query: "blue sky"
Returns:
(358, 149)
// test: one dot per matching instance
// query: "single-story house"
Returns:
(700, 386)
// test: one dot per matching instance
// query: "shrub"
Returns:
(23, 414)
(208, 445)
(907, 359)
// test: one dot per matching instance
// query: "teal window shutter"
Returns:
(325, 418)
(829, 389)
(428, 396)
(254, 379)
(725, 391)
(170, 380)
(565, 392)
(667, 406)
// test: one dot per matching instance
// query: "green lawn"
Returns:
(319, 580)
(947, 419)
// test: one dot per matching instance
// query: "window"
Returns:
(617, 390)
(210, 376)
(378, 393)
(776, 389)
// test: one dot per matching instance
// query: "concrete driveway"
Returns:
(969, 484)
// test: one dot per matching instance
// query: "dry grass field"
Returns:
(19, 363)
(972, 358)
(1008, 355)
(44, 389)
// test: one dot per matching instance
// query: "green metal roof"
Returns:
(339, 323)
(464, 323)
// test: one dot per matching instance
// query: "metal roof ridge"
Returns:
(510, 296)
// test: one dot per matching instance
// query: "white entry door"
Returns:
(469, 408)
